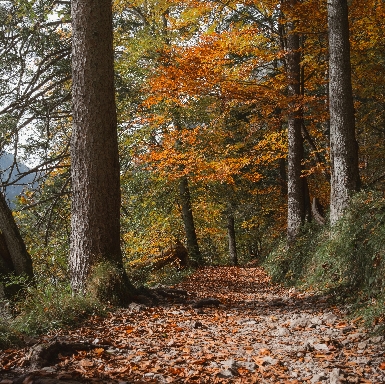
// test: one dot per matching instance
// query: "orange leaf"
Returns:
(176, 371)
(199, 362)
(264, 352)
(99, 351)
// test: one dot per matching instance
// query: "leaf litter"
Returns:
(233, 326)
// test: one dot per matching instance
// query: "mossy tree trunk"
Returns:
(95, 223)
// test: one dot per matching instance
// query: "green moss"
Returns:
(110, 284)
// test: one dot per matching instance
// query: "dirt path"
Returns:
(260, 333)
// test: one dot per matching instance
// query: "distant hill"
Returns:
(6, 162)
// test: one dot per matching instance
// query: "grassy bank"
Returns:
(347, 260)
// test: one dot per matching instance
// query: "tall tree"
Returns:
(95, 224)
(185, 201)
(296, 190)
(343, 145)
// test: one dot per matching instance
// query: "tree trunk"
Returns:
(296, 188)
(188, 221)
(343, 145)
(14, 257)
(232, 241)
(95, 223)
(282, 177)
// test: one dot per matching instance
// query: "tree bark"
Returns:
(14, 257)
(188, 221)
(343, 145)
(295, 188)
(95, 223)
(282, 177)
(20, 258)
(232, 240)
(316, 212)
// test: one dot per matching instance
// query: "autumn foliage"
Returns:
(202, 93)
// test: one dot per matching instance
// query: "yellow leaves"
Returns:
(22, 200)
(271, 148)
(249, 41)
(189, 16)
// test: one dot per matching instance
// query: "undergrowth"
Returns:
(44, 308)
(347, 260)
(50, 306)
(8, 336)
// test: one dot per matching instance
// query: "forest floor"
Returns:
(253, 332)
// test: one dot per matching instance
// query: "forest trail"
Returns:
(259, 333)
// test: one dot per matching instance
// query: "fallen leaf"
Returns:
(98, 351)
(86, 363)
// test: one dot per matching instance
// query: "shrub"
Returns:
(51, 307)
(8, 336)
(288, 264)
